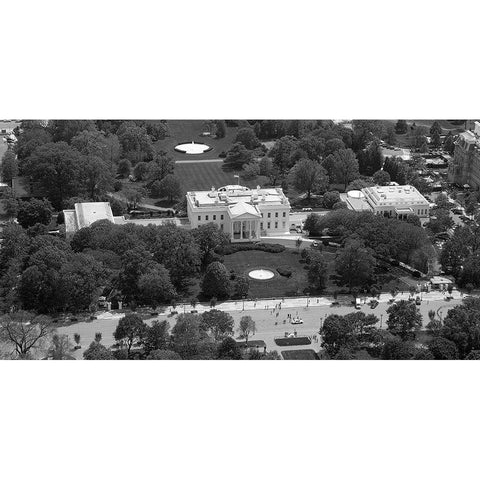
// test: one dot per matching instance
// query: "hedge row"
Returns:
(242, 247)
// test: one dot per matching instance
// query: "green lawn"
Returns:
(187, 130)
(299, 355)
(278, 286)
(204, 176)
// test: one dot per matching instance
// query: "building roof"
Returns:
(233, 194)
(89, 212)
(393, 195)
(243, 208)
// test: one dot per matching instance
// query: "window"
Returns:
(276, 224)
(276, 214)
(206, 217)
(214, 217)
(269, 214)
(268, 225)
(284, 214)
(261, 225)
(221, 226)
(283, 224)
(199, 217)
(221, 217)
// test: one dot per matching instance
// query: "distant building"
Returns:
(84, 214)
(391, 201)
(243, 213)
(465, 166)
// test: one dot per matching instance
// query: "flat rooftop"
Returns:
(232, 194)
(401, 194)
(89, 212)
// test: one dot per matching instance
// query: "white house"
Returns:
(243, 213)
(396, 201)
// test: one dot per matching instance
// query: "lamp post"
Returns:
(243, 302)
(381, 320)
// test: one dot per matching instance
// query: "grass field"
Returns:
(204, 176)
(278, 286)
(187, 130)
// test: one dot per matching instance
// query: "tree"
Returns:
(250, 171)
(133, 196)
(155, 286)
(218, 323)
(281, 153)
(159, 168)
(247, 327)
(98, 337)
(34, 211)
(60, 348)
(136, 143)
(24, 331)
(317, 271)
(169, 187)
(338, 332)
(371, 158)
(440, 220)
(333, 145)
(216, 282)
(449, 143)
(247, 137)
(401, 127)
(462, 326)
(187, 335)
(435, 128)
(241, 286)
(140, 171)
(395, 348)
(221, 128)
(97, 351)
(208, 238)
(136, 262)
(96, 176)
(238, 155)
(434, 327)
(229, 350)
(443, 349)
(9, 165)
(95, 143)
(156, 336)
(355, 264)
(342, 166)
(130, 329)
(124, 167)
(163, 355)
(309, 176)
(54, 169)
(330, 198)
(404, 319)
(65, 130)
(380, 177)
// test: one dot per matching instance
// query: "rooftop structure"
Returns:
(243, 213)
(398, 201)
(84, 214)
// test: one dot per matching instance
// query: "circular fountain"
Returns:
(261, 274)
(193, 148)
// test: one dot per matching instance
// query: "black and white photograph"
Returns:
(239, 239)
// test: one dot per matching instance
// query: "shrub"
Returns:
(222, 155)
(416, 274)
(284, 272)
(243, 247)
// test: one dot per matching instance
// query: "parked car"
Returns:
(418, 301)
(373, 303)
(306, 209)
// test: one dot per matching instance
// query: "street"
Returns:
(269, 326)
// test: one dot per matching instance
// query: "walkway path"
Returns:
(269, 324)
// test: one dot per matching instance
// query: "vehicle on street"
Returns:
(418, 301)
(296, 321)
(373, 303)
(306, 209)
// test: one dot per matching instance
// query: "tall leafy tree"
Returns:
(9, 165)
(216, 282)
(218, 323)
(309, 176)
(155, 286)
(54, 168)
(247, 327)
(34, 211)
(404, 319)
(130, 330)
(208, 238)
(342, 166)
(247, 137)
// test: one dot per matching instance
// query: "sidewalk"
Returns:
(295, 302)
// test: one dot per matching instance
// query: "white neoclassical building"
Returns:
(245, 214)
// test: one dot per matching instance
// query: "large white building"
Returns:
(243, 213)
(398, 201)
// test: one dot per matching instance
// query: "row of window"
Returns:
(207, 218)
(269, 225)
(269, 215)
